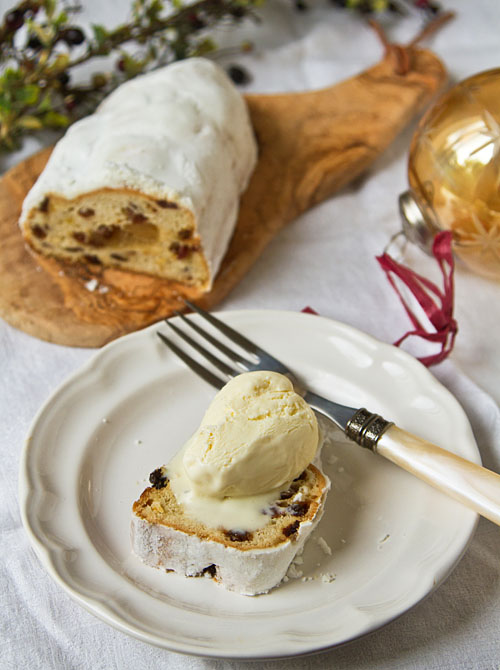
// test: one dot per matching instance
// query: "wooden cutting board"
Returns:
(310, 145)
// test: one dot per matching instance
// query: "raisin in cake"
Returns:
(248, 562)
(150, 183)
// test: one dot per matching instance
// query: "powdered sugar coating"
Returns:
(181, 133)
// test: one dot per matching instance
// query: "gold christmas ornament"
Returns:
(454, 174)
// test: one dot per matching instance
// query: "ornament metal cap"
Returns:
(417, 227)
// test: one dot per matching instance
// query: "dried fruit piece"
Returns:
(86, 212)
(44, 205)
(166, 204)
(158, 478)
(38, 231)
(238, 535)
(298, 508)
(291, 529)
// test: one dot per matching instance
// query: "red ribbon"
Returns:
(437, 304)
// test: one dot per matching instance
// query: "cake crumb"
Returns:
(138, 442)
(293, 572)
(324, 546)
(328, 578)
(157, 507)
(105, 420)
(103, 289)
(91, 285)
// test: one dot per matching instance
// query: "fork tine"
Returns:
(219, 345)
(194, 365)
(227, 330)
(220, 365)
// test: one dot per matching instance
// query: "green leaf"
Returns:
(204, 46)
(28, 94)
(60, 63)
(10, 76)
(61, 19)
(100, 34)
(50, 7)
(5, 103)
(56, 120)
(45, 104)
(29, 122)
(131, 67)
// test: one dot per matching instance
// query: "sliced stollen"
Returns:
(150, 183)
(249, 563)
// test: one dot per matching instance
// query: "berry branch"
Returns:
(41, 47)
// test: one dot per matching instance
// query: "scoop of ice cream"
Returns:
(257, 435)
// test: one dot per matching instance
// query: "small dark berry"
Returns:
(70, 103)
(63, 78)
(121, 65)
(195, 22)
(238, 12)
(73, 36)
(34, 43)
(365, 7)
(14, 19)
(395, 8)
(433, 8)
(238, 74)
(32, 8)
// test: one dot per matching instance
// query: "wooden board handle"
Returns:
(474, 486)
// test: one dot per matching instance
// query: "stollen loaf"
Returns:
(150, 183)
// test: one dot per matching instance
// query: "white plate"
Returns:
(393, 538)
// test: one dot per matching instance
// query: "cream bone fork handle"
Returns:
(474, 486)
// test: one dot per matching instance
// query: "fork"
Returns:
(472, 485)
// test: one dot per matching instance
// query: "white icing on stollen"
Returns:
(180, 133)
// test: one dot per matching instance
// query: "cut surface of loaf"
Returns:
(150, 183)
(248, 562)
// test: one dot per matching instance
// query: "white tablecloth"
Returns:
(326, 259)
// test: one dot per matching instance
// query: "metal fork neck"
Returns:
(363, 427)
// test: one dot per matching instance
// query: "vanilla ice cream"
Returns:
(257, 435)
